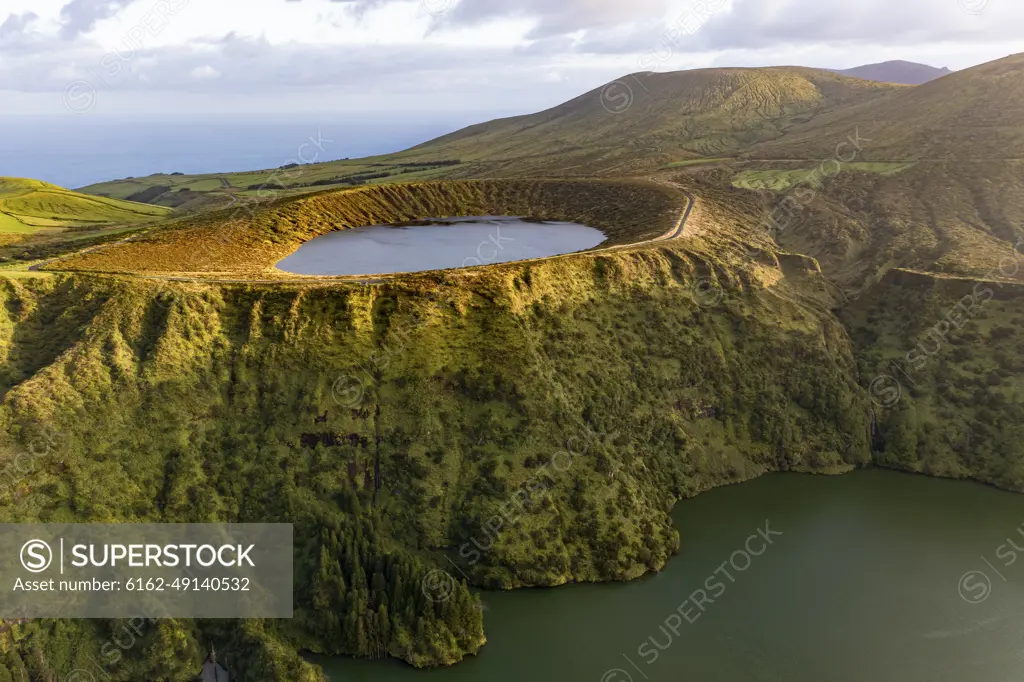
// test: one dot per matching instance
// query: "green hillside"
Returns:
(28, 206)
(649, 119)
(198, 193)
(862, 219)
(39, 221)
(960, 218)
(645, 122)
(974, 114)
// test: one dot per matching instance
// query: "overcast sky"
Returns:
(280, 58)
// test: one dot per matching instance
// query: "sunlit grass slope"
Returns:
(27, 206)
(780, 180)
(953, 217)
(975, 114)
(646, 120)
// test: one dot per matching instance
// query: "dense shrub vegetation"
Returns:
(533, 424)
(944, 357)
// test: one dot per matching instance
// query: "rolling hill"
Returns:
(906, 73)
(29, 206)
(645, 120)
(975, 114)
(956, 218)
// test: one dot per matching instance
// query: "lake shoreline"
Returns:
(859, 506)
(437, 244)
(838, 473)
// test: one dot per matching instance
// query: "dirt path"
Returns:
(227, 186)
(680, 228)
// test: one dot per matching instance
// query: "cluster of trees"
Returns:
(359, 597)
(114, 650)
(959, 410)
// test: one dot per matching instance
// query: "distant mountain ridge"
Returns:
(897, 71)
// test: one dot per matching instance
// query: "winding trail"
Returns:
(680, 228)
(227, 186)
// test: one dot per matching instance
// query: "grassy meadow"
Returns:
(39, 221)
(29, 206)
(197, 193)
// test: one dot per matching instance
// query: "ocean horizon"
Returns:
(97, 151)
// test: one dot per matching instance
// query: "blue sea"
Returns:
(77, 151)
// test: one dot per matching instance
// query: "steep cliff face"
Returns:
(532, 423)
(941, 360)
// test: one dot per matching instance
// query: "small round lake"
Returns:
(442, 244)
(870, 576)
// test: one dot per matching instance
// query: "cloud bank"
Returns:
(510, 55)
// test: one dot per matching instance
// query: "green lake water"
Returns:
(876, 576)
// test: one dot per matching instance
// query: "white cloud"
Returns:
(470, 55)
(80, 16)
(204, 72)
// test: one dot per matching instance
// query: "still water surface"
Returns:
(864, 584)
(462, 242)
